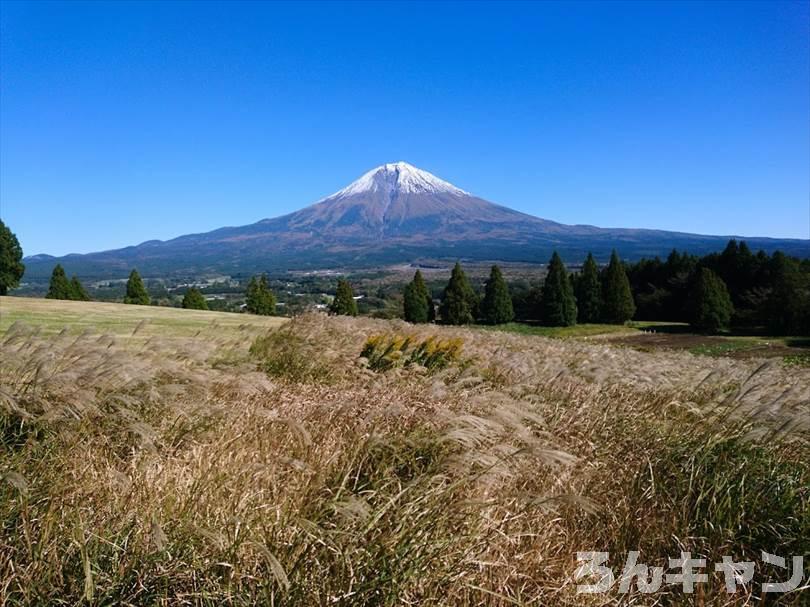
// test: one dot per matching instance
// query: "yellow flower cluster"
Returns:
(387, 350)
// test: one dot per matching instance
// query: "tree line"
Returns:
(748, 289)
(564, 299)
(259, 299)
(735, 287)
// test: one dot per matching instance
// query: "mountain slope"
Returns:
(393, 213)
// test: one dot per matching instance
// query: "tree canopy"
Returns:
(59, 287)
(788, 304)
(259, 299)
(194, 300)
(618, 305)
(77, 290)
(710, 306)
(417, 301)
(559, 305)
(11, 265)
(459, 301)
(588, 290)
(496, 307)
(136, 291)
(770, 291)
(344, 303)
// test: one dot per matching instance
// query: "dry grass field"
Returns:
(339, 461)
(51, 316)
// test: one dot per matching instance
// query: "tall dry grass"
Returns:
(297, 473)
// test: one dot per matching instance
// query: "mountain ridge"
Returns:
(391, 214)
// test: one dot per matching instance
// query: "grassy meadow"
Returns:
(50, 316)
(228, 459)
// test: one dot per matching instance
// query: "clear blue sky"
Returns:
(122, 122)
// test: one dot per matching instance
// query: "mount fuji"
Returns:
(394, 213)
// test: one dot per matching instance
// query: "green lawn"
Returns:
(52, 316)
(725, 347)
(583, 330)
(651, 336)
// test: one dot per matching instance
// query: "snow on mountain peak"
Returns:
(399, 177)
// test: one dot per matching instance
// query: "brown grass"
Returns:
(189, 471)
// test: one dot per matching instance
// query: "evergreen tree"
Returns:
(252, 295)
(194, 300)
(559, 304)
(617, 298)
(589, 292)
(710, 306)
(77, 290)
(496, 307)
(11, 265)
(59, 287)
(344, 302)
(788, 305)
(136, 291)
(259, 298)
(418, 303)
(459, 301)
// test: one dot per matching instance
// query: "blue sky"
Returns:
(124, 122)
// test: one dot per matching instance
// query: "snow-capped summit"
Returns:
(394, 213)
(399, 177)
(398, 199)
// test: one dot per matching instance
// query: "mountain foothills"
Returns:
(394, 213)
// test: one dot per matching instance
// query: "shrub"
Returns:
(434, 353)
(388, 350)
(285, 354)
(194, 300)
(384, 352)
(77, 290)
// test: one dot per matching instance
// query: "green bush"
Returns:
(286, 355)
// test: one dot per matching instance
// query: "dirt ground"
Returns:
(738, 348)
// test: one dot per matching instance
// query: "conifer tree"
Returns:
(259, 298)
(496, 307)
(459, 301)
(59, 287)
(136, 291)
(344, 303)
(11, 265)
(252, 295)
(559, 304)
(77, 290)
(710, 306)
(418, 303)
(788, 305)
(617, 298)
(194, 300)
(589, 292)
